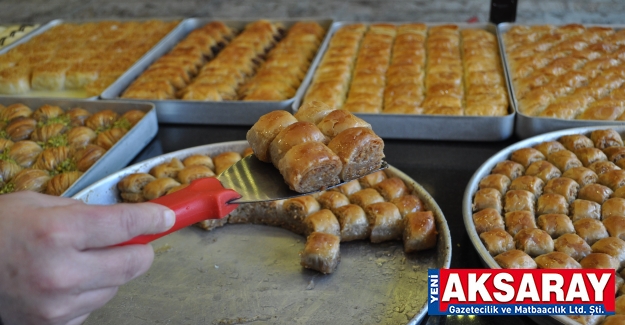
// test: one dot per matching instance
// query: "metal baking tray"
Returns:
(243, 273)
(122, 152)
(207, 112)
(527, 126)
(485, 170)
(430, 127)
(81, 94)
(12, 37)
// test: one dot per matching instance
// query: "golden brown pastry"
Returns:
(297, 209)
(419, 231)
(612, 246)
(108, 138)
(549, 147)
(193, 172)
(615, 226)
(614, 320)
(169, 169)
(509, 168)
(199, 160)
(338, 121)
(34, 180)
(321, 252)
(313, 111)
(322, 221)
(488, 198)
(552, 203)
(385, 221)
(497, 181)
(391, 188)
(264, 131)
(131, 187)
(224, 160)
(562, 186)
(310, 166)
(408, 204)
(591, 230)
(572, 245)
(517, 221)
(332, 200)
(613, 207)
(590, 155)
(612, 179)
(515, 259)
(56, 159)
(526, 156)
(353, 222)
(360, 151)
(575, 142)
(24, 153)
(87, 156)
(101, 120)
(519, 200)
(606, 138)
(372, 179)
(349, 188)
(158, 187)
(497, 241)
(543, 170)
(599, 261)
(20, 128)
(555, 224)
(61, 182)
(556, 260)
(581, 209)
(534, 242)
(292, 135)
(564, 160)
(595, 192)
(582, 175)
(528, 183)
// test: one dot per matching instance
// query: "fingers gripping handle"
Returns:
(203, 199)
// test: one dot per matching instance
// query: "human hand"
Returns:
(57, 262)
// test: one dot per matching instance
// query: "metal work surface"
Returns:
(122, 152)
(206, 112)
(245, 273)
(429, 127)
(484, 170)
(528, 126)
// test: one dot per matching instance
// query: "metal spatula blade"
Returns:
(258, 181)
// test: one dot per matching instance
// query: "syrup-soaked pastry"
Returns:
(46, 112)
(515, 259)
(191, 173)
(372, 179)
(46, 132)
(508, 168)
(533, 241)
(199, 160)
(599, 261)
(515, 222)
(24, 153)
(109, 138)
(590, 155)
(77, 116)
(543, 170)
(133, 116)
(582, 175)
(595, 192)
(15, 80)
(297, 209)
(14, 111)
(612, 246)
(614, 320)
(158, 187)
(487, 219)
(20, 128)
(8, 170)
(61, 182)
(519, 200)
(313, 111)
(612, 179)
(321, 252)
(87, 156)
(248, 151)
(131, 187)
(350, 187)
(419, 231)
(385, 221)
(528, 183)
(5, 145)
(409, 203)
(497, 241)
(572, 245)
(497, 181)
(526, 156)
(555, 224)
(581, 209)
(338, 121)
(168, 169)
(591, 230)
(360, 151)
(353, 222)
(310, 166)
(292, 135)
(552, 203)
(549, 147)
(563, 186)
(52, 159)
(619, 192)
(34, 180)
(224, 160)
(365, 197)
(564, 160)
(606, 138)
(487, 198)
(575, 142)
(391, 188)
(322, 221)
(332, 200)
(601, 167)
(614, 153)
(615, 226)
(556, 260)
(613, 207)
(264, 131)
(101, 120)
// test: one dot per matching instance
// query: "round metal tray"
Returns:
(240, 274)
(485, 169)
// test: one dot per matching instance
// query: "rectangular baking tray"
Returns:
(207, 112)
(527, 126)
(8, 40)
(243, 273)
(81, 94)
(122, 152)
(430, 127)
(485, 169)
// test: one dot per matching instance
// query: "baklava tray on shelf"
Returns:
(430, 127)
(227, 263)
(226, 112)
(526, 125)
(548, 205)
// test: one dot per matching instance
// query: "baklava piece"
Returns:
(556, 260)
(599, 261)
(515, 259)
(321, 252)
(555, 224)
(581, 209)
(543, 170)
(552, 203)
(408, 204)
(419, 231)
(488, 198)
(582, 175)
(322, 221)
(615, 226)
(353, 222)
(497, 181)
(606, 138)
(515, 222)
(509, 168)
(562, 186)
(591, 230)
(526, 156)
(533, 242)
(519, 200)
(385, 222)
(528, 183)
(131, 187)
(497, 241)
(572, 245)
(595, 192)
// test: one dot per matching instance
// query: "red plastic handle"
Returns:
(204, 198)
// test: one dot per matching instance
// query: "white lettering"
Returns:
(500, 282)
(598, 286)
(453, 289)
(556, 287)
(527, 289)
(577, 288)
(476, 286)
